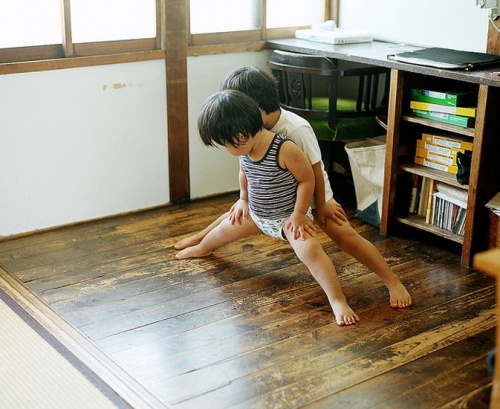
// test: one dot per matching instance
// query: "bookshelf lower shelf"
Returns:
(419, 223)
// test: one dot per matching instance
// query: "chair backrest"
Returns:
(295, 73)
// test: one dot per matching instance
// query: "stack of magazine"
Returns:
(449, 208)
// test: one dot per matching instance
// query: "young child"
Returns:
(276, 189)
(262, 87)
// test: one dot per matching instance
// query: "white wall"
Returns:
(82, 143)
(455, 24)
(212, 170)
(91, 142)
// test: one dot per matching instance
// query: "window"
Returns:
(219, 21)
(109, 20)
(29, 22)
(33, 30)
(49, 29)
(223, 16)
(293, 13)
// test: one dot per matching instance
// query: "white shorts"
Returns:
(274, 228)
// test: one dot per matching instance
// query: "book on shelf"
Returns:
(463, 121)
(421, 196)
(439, 149)
(450, 160)
(434, 165)
(427, 106)
(414, 193)
(449, 98)
(424, 196)
(452, 142)
(430, 201)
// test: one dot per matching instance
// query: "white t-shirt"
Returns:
(301, 132)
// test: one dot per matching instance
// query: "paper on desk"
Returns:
(494, 204)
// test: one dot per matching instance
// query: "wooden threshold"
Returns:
(118, 380)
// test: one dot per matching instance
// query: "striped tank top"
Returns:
(272, 190)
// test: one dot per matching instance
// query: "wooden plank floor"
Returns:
(249, 328)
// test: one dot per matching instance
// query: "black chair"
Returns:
(313, 87)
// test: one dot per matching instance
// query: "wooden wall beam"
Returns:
(493, 45)
(175, 41)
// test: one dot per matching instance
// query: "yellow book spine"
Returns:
(447, 142)
(445, 109)
(428, 213)
(434, 165)
(440, 150)
(450, 160)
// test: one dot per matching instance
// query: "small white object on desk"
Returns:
(327, 32)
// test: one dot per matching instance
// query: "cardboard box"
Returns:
(494, 228)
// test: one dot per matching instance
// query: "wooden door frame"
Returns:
(175, 40)
(493, 44)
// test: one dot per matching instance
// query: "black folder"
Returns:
(447, 58)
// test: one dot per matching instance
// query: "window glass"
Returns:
(30, 22)
(216, 16)
(293, 13)
(110, 20)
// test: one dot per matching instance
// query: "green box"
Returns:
(448, 98)
(464, 121)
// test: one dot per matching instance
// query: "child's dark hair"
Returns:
(257, 84)
(226, 116)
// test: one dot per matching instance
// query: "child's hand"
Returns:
(333, 211)
(238, 210)
(300, 225)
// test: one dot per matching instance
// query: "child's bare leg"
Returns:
(222, 234)
(198, 237)
(321, 267)
(350, 241)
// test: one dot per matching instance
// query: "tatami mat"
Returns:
(37, 372)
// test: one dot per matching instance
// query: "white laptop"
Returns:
(337, 36)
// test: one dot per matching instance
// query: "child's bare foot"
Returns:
(399, 296)
(188, 242)
(192, 252)
(344, 315)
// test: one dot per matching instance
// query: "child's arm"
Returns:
(293, 159)
(240, 208)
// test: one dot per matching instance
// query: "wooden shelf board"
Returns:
(419, 223)
(439, 125)
(435, 174)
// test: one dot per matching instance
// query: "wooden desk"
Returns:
(403, 129)
(375, 53)
(489, 262)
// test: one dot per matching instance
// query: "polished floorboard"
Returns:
(248, 327)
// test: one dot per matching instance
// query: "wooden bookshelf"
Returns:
(403, 130)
